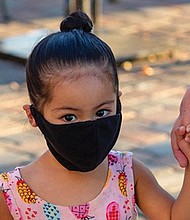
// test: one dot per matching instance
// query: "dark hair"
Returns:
(72, 47)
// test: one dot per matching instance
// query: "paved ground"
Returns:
(132, 28)
(152, 88)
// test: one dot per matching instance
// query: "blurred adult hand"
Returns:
(181, 130)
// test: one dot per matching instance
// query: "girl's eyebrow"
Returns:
(66, 108)
(107, 102)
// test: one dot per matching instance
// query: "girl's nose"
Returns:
(88, 118)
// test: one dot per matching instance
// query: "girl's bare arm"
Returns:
(4, 211)
(154, 201)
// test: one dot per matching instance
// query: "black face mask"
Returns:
(80, 146)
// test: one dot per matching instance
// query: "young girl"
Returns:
(73, 87)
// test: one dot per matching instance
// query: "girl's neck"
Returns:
(47, 170)
(50, 164)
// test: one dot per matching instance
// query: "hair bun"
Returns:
(76, 20)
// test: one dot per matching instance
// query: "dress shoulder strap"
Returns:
(8, 185)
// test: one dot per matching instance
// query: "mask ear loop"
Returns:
(118, 105)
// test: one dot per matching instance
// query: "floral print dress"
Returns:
(115, 202)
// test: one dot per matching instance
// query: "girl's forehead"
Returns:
(84, 73)
(88, 70)
(83, 82)
(86, 91)
(68, 82)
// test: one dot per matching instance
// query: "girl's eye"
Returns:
(69, 118)
(102, 113)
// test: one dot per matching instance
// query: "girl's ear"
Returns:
(120, 94)
(29, 115)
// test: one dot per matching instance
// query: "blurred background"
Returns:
(151, 43)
